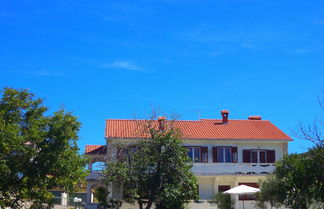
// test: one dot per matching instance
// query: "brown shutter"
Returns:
(234, 154)
(119, 153)
(246, 156)
(204, 152)
(271, 156)
(215, 154)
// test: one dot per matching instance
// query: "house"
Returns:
(225, 152)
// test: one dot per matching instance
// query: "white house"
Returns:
(225, 153)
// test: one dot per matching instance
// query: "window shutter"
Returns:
(215, 154)
(271, 156)
(246, 156)
(204, 154)
(234, 154)
(119, 153)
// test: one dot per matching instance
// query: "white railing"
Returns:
(201, 169)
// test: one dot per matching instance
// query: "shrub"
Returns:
(223, 201)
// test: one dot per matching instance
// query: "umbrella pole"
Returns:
(243, 204)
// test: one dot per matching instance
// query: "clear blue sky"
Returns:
(120, 59)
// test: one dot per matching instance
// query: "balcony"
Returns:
(94, 175)
(211, 169)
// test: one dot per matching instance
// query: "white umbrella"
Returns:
(242, 190)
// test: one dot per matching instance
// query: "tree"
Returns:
(313, 132)
(223, 201)
(155, 171)
(38, 152)
(297, 182)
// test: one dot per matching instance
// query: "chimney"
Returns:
(161, 120)
(255, 117)
(225, 115)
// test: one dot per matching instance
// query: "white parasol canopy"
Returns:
(242, 189)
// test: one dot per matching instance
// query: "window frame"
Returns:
(193, 154)
(224, 154)
(258, 151)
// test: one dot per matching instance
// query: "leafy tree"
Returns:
(154, 171)
(297, 182)
(38, 152)
(223, 201)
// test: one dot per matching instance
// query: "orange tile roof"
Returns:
(201, 129)
(95, 149)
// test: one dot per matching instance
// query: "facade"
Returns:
(225, 153)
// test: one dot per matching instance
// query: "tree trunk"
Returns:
(140, 204)
(149, 204)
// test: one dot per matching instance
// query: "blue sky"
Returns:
(120, 59)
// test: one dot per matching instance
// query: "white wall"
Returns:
(206, 187)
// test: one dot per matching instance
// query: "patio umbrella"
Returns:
(242, 190)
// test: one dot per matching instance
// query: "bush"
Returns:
(223, 201)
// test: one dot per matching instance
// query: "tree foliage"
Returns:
(223, 201)
(154, 171)
(297, 182)
(38, 152)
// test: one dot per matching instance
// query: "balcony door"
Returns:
(224, 155)
(194, 154)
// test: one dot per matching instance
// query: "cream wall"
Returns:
(208, 187)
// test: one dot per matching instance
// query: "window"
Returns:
(194, 154)
(258, 156)
(224, 155)
(223, 188)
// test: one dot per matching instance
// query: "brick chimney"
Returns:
(255, 117)
(161, 120)
(225, 115)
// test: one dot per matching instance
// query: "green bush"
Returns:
(223, 201)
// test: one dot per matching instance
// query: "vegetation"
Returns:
(102, 196)
(298, 181)
(38, 152)
(223, 201)
(154, 171)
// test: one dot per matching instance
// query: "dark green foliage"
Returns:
(158, 172)
(297, 183)
(102, 196)
(37, 152)
(223, 201)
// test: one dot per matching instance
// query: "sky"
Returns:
(122, 59)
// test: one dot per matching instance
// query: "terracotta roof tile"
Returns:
(95, 149)
(201, 129)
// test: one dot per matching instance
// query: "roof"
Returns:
(200, 129)
(95, 149)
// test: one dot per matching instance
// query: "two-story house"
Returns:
(225, 153)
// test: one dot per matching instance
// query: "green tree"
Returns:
(223, 201)
(297, 182)
(154, 171)
(38, 152)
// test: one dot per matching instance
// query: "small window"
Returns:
(223, 188)
(194, 154)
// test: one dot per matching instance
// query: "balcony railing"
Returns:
(201, 169)
(94, 175)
